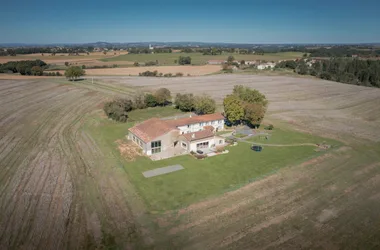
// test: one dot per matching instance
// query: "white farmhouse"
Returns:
(157, 136)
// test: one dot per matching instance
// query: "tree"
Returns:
(163, 96)
(118, 109)
(233, 108)
(73, 72)
(249, 95)
(302, 68)
(83, 66)
(184, 60)
(150, 100)
(66, 64)
(242, 62)
(204, 105)
(230, 60)
(254, 113)
(37, 71)
(184, 102)
(139, 101)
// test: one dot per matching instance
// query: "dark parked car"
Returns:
(256, 148)
(200, 152)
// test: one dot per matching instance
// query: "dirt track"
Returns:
(59, 190)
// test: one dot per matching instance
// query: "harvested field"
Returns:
(59, 59)
(60, 189)
(328, 107)
(192, 70)
(55, 189)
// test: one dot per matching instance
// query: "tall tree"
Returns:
(233, 108)
(74, 72)
(163, 96)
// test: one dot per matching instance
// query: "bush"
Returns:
(184, 102)
(163, 96)
(37, 71)
(220, 149)
(139, 101)
(168, 75)
(136, 64)
(150, 100)
(151, 63)
(178, 74)
(269, 127)
(148, 73)
(184, 60)
(204, 105)
(83, 66)
(117, 109)
(200, 157)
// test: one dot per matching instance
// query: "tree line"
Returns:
(28, 67)
(351, 71)
(343, 51)
(149, 51)
(42, 50)
(201, 105)
(118, 109)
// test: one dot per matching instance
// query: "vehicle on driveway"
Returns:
(256, 148)
(200, 152)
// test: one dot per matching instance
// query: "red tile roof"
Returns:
(151, 129)
(198, 135)
(196, 119)
(155, 127)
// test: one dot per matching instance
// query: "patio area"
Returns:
(168, 153)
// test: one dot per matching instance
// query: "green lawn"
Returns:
(210, 177)
(200, 178)
(287, 136)
(198, 58)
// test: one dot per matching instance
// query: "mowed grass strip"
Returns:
(287, 137)
(199, 58)
(201, 178)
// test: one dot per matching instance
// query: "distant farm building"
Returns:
(266, 66)
(216, 62)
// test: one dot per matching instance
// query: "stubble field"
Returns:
(60, 189)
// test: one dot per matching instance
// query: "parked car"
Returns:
(200, 152)
(256, 148)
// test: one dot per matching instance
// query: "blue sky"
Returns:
(240, 21)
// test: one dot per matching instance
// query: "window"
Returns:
(188, 126)
(220, 122)
(184, 145)
(202, 145)
(134, 138)
(156, 147)
(220, 141)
